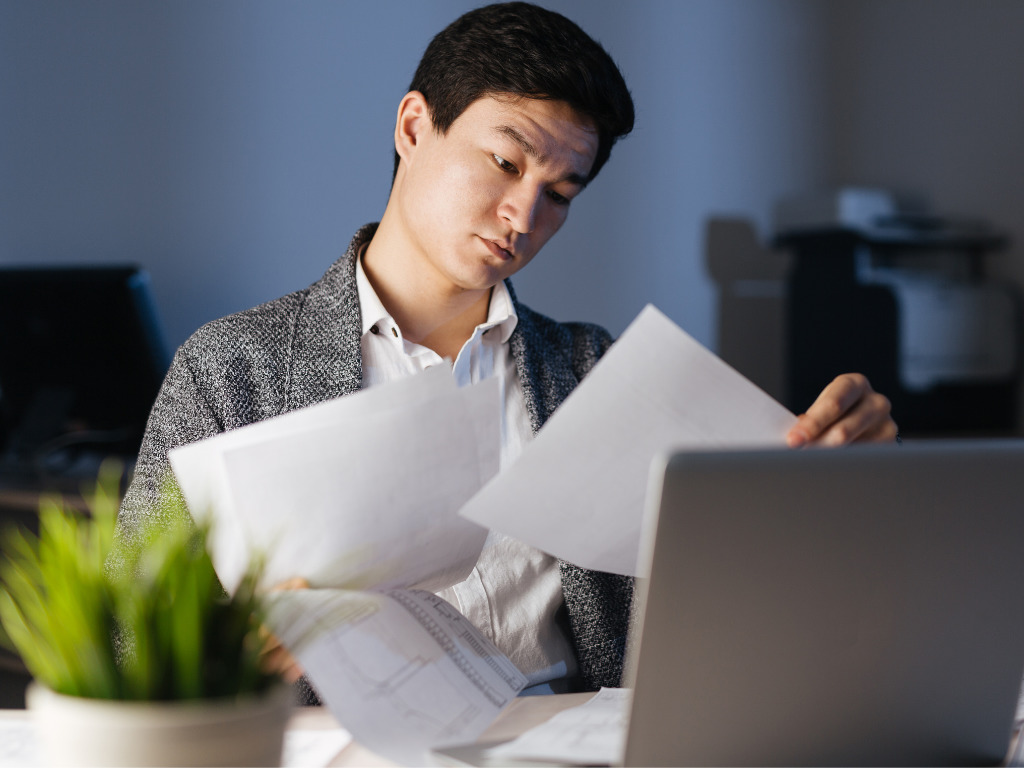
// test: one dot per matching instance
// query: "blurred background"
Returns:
(231, 148)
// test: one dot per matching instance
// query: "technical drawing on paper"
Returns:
(405, 671)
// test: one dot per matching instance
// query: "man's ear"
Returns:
(412, 124)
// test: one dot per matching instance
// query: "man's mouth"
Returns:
(498, 249)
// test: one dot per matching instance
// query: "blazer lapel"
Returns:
(326, 360)
(547, 379)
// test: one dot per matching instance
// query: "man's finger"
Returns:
(835, 400)
(848, 410)
(867, 420)
(274, 657)
(294, 583)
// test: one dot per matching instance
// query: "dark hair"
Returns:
(523, 50)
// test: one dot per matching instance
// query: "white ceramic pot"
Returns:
(75, 731)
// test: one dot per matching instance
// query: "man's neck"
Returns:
(430, 311)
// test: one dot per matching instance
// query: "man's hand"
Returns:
(275, 658)
(848, 410)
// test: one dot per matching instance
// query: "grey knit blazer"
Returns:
(304, 348)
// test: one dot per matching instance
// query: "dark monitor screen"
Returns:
(81, 360)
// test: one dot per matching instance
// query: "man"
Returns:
(512, 112)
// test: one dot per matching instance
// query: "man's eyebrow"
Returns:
(524, 144)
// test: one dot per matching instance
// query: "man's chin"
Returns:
(482, 278)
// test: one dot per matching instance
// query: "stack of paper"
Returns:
(361, 496)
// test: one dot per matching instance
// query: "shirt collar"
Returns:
(501, 313)
(370, 306)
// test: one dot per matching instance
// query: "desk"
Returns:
(523, 714)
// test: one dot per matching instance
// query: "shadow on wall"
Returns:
(751, 301)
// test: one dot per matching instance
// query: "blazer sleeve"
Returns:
(180, 415)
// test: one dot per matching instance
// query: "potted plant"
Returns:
(137, 654)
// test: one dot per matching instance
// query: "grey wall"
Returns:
(928, 99)
(232, 147)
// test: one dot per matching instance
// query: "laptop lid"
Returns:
(832, 607)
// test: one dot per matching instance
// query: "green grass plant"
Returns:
(97, 616)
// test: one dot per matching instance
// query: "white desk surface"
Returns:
(524, 713)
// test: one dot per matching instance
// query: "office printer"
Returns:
(902, 297)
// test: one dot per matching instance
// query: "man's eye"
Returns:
(558, 199)
(504, 164)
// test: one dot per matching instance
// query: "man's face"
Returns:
(479, 202)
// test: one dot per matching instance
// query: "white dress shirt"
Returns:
(514, 594)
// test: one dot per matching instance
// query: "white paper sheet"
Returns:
(313, 749)
(19, 746)
(200, 472)
(354, 493)
(593, 733)
(402, 670)
(577, 491)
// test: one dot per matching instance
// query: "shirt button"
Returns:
(374, 330)
(395, 332)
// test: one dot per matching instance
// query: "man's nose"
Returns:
(519, 208)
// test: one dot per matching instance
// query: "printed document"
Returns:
(360, 496)
(402, 670)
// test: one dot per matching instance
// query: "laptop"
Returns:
(831, 607)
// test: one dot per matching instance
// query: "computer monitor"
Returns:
(81, 360)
